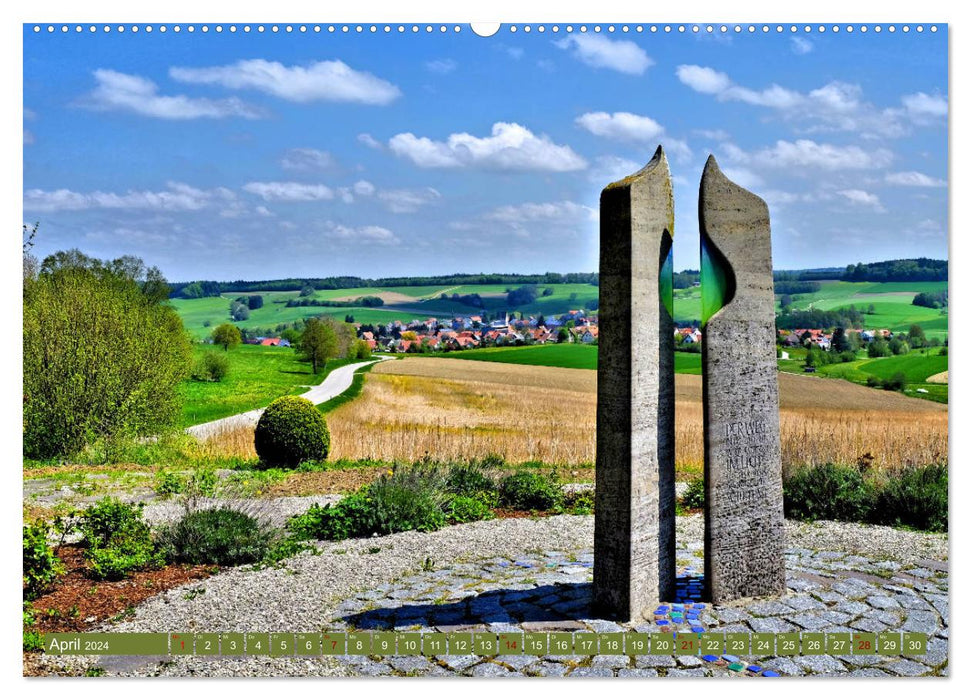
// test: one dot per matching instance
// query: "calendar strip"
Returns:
(710, 646)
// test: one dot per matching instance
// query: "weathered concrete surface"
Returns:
(634, 530)
(744, 529)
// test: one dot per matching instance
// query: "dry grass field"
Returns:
(448, 409)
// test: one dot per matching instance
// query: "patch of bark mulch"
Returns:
(40, 472)
(313, 483)
(99, 601)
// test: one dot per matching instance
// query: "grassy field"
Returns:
(257, 375)
(196, 313)
(462, 409)
(572, 355)
(891, 302)
(917, 366)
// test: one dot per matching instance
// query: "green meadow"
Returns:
(916, 366)
(256, 376)
(892, 304)
(571, 355)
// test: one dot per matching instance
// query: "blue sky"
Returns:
(259, 156)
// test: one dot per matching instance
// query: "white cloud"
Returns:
(178, 197)
(703, 79)
(132, 93)
(28, 137)
(442, 66)
(608, 169)
(263, 211)
(407, 201)
(514, 52)
(801, 46)
(621, 126)
(600, 52)
(810, 155)
(922, 107)
(327, 81)
(744, 177)
(546, 211)
(361, 234)
(862, 198)
(912, 178)
(307, 159)
(370, 141)
(510, 147)
(713, 134)
(289, 191)
(363, 188)
(836, 106)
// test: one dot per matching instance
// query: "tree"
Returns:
(103, 354)
(785, 300)
(318, 342)
(227, 335)
(562, 335)
(255, 302)
(840, 341)
(348, 318)
(916, 336)
(307, 290)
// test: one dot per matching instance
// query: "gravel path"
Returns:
(336, 383)
(898, 577)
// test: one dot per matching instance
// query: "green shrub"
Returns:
(466, 509)
(898, 382)
(916, 497)
(41, 566)
(694, 495)
(530, 490)
(202, 482)
(33, 640)
(118, 540)
(290, 431)
(827, 492)
(211, 367)
(409, 498)
(169, 483)
(580, 502)
(348, 518)
(469, 480)
(220, 536)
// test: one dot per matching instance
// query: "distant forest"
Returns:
(786, 281)
(919, 270)
(206, 288)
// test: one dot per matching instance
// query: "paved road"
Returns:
(335, 383)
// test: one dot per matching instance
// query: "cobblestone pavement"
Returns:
(827, 592)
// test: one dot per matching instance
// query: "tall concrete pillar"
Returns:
(744, 526)
(634, 547)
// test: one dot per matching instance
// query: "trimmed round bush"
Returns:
(290, 431)
(220, 536)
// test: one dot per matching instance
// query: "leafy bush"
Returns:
(469, 480)
(466, 509)
(530, 490)
(408, 498)
(827, 492)
(118, 540)
(916, 497)
(898, 382)
(41, 566)
(694, 495)
(217, 536)
(104, 354)
(290, 431)
(348, 518)
(580, 502)
(168, 483)
(33, 640)
(211, 367)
